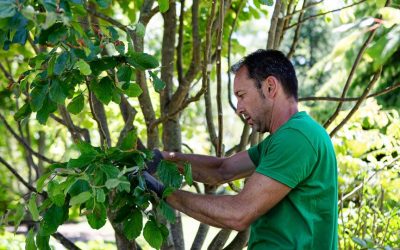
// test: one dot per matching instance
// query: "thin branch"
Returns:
(69, 123)
(96, 110)
(297, 32)
(65, 242)
(22, 141)
(220, 239)
(240, 7)
(361, 185)
(200, 236)
(349, 99)
(358, 104)
(240, 241)
(6, 73)
(19, 177)
(350, 77)
(219, 80)
(324, 13)
(85, 132)
(179, 47)
(303, 9)
(129, 114)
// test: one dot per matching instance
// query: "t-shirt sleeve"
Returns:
(289, 158)
(254, 153)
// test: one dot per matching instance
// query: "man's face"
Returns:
(250, 101)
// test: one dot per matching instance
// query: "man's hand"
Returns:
(152, 165)
(153, 184)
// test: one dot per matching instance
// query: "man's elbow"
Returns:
(240, 223)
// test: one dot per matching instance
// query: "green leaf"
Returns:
(8, 8)
(111, 171)
(383, 49)
(133, 225)
(152, 234)
(23, 112)
(51, 18)
(169, 174)
(188, 173)
(124, 75)
(167, 211)
(112, 183)
(157, 82)
(41, 180)
(163, 5)
(56, 193)
(266, 2)
(103, 3)
(32, 207)
(30, 241)
(390, 16)
(97, 219)
(80, 198)
(83, 67)
(48, 107)
(52, 219)
(103, 89)
(61, 63)
(82, 161)
(129, 141)
(57, 93)
(360, 242)
(100, 195)
(37, 96)
(140, 29)
(78, 187)
(42, 242)
(86, 148)
(18, 216)
(133, 90)
(142, 61)
(76, 105)
(102, 64)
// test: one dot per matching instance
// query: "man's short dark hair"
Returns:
(264, 63)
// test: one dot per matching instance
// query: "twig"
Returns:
(179, 47)
(288, 16)
(361, 185)
(349, 99)
(324, 13)
(102, 130)
(129, 114)
(357, 105)
(19, 177)
(6, 73)
(350, 77)
(85, 133)
(69, 123)
(297, 32)
(240, 6)
(22, 141)
(65, 242)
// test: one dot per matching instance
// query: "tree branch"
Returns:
(220, 239)
(179, 66)
(350, 77)
(288, 16)
(98, 113)
(128, 113)
(22, 141)
(6, 73)
(65, 242)
(357, 105)
(219, 80)
(19, 177)
(324, 13)
(69, 123)
(240, 241)
(240, 6)
(350, 99)
(83, 131)
(200, 237)
(297, 32)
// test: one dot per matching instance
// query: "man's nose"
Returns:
(239, 108)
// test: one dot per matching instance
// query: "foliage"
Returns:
(368, 156)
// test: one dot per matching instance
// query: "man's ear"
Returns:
(270, 86)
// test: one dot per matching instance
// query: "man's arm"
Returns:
(214, 170)
(237, 212)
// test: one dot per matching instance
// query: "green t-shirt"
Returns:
(300, 155)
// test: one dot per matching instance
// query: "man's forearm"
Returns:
(217, 211)
(205, 169)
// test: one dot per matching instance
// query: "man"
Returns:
(290, 198)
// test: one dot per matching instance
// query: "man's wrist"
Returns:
(170, 156)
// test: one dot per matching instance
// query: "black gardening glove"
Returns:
(152, 165)
(153, 184)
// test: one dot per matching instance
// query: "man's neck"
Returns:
(282, 113)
